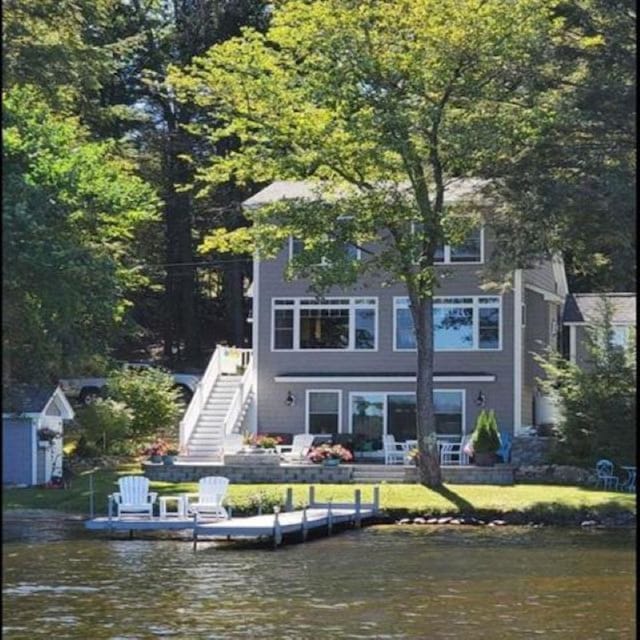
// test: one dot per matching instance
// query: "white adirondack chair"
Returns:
(134, 497)
(208, 501)
(233, 442)
(298, 449)
(394, 452)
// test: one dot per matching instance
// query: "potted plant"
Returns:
(261, 443)
(156, 450)
(47, 435)
(329, 455)
(170, 455)
(485, 441)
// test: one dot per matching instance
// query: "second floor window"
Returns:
(470, 251)
(301, 324)
(459, 324)
(296, 247)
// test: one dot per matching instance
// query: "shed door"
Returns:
(16, 451)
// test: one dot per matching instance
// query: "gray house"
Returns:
(584, 309)
(32, 426)
(346, 364)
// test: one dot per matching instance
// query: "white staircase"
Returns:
(218, 407)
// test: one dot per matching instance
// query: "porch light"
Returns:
(290, 400)
(481, 399)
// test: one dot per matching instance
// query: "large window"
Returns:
(323, 411)
(330, 324)
(459, 324)
(375, 414)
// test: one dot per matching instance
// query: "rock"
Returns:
(432, 521)
(589, 523)
(404, 521)
(445, 520)
(455, 521)
(497, 523)
(419, 521)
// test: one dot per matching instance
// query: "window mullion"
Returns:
(296, 325)
(476, 323)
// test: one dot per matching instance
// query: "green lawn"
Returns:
(536, 500)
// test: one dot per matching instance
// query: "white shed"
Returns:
(32, 429)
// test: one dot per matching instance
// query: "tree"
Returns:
(73, 213)
(598, 402)
(382, 103)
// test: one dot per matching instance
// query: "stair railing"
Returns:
(200, 396)
(241, 393)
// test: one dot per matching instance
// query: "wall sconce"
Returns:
(481, 399)
(290, 400)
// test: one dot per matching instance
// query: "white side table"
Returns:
(178, 513)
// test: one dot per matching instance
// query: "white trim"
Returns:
(385, 379)
(517, 351)
(385, 405)
(586, 324)
(547, 295)
(475, 306)
(67, 411)
(446, 254)
(352, 308)
(572, 344)
(560, 275)
(255, 338)
(35, 424)
(306, 407)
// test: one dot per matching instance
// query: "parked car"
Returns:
(83, 390)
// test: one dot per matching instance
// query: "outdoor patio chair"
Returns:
(208, 501)
(134, 497)
(604, 475)
(298, 449)
(504, 451)
(394, 452)
(232, 443)
(450, 452)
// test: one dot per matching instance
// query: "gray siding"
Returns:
(17, 451)
(275, 416)
(541, 276)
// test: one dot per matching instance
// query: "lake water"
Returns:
(379, 582)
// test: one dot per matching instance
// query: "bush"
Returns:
(151, 395)
(486, 438)
(105, 424)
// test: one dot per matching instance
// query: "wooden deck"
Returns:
(274, 526)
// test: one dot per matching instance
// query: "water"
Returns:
(380, 582)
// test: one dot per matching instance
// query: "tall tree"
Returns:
(73, 216)
(382, 103)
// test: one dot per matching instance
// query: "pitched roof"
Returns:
(26, 398)
(308, 190)
(587, 307)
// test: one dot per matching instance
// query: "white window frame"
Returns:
(323, 262)
(402, 302)
(385, 407)
(308, 405)
(313, 303)
(446, 258)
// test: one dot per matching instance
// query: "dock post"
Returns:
(91, 509)
(195, 530)
(303, 525)
(288, 503)
(329, 517)
(376, 499)
(358, 500)
(110, 512)
(312, 495)
(277, 530)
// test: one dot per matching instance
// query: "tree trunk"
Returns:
(428, 459)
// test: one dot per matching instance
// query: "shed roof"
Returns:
(587, 307)
(29, 398)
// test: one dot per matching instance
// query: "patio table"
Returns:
(180, 506)
(630, 482)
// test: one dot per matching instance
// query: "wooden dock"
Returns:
(316, 516)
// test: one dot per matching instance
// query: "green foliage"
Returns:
(106, 424)
(152, 397)
(598, 401)
(73, 213)
(486, 437)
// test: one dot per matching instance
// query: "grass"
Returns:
(398, 500)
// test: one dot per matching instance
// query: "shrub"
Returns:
(151, 395)
(105, 423)
(486, 438)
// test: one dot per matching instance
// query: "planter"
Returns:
(484, 459)
(156, 459)
(168, 459)
(331, 462)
